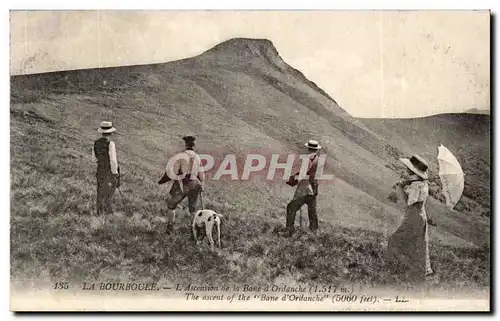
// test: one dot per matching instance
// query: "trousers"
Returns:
(105, 192)
(295, 205)
(192, 189)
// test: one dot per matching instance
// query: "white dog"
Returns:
(207, 218)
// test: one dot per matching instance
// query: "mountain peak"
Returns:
(243, 44)
(244, 48)
(477, 111)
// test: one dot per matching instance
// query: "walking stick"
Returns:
(201, 200)
(120, 192)
(121, 197)
(300, 217)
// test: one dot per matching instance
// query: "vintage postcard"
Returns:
(250, 160)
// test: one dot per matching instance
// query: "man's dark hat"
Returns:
(189, 138)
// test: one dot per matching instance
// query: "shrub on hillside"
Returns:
(393, 197)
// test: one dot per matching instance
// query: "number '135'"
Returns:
(61, 286)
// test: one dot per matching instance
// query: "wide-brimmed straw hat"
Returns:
(417, 165)
(313, 144)
(106, 127)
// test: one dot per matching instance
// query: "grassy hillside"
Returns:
(238, 97)
(466, 135)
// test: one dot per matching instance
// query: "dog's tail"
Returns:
(217, 217)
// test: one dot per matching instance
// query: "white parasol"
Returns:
(451, 175)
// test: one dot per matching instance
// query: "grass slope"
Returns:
(240, 98)
(466, 135)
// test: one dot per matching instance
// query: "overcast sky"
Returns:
(374, 64)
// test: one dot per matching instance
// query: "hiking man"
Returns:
(188, 183)
(108, 172)
(306, 192)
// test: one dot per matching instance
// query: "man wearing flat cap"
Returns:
(189, 182)
(108, 171)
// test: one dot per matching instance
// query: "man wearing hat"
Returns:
(189, 185)
(108, 171)
(306, 192)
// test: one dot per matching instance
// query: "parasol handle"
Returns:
(416, 180)
(431, 178)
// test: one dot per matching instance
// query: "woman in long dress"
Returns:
(408, 247)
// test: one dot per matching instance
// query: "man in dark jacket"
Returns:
(108, 172)
(306, 192)
(190, 186)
